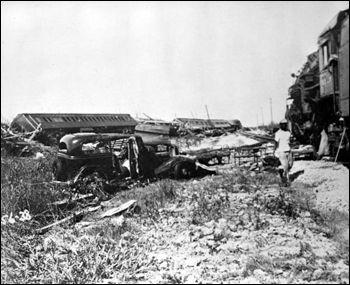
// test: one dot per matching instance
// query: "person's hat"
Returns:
(341, 119)
(283, 121)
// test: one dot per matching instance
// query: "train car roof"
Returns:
(73, 120)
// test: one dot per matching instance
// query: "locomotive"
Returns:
(318, 101)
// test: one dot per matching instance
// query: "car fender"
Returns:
(167, 168)
(203, 169)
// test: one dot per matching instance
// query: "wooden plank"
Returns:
(67, 202)
(67, 219)
(34, 133)
(119, 209)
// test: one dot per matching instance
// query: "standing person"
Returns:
(283, 150)
(324, 144)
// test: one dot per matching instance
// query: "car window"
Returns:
(161, 148)
(118, 145)
(95, 147)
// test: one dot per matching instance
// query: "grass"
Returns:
(119, 252)
(336, 224)
(152, 197)
(74, 256)
(26, 184)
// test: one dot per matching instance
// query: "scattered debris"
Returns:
(21, 143)
(67, 203)
(76, 216)
(120, 209)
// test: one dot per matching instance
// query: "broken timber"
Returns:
(119, 209)
(70, 202)
(66, 220)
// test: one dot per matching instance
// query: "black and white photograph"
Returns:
(175, 142)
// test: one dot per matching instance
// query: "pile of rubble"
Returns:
(20, 144)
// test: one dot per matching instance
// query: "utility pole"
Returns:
(257, 120)
(207, 112)
(262, 117)
(149, 117)
(271, 111)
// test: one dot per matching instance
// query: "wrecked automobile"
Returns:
(119, 156)
(173, 165)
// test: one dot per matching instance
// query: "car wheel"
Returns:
(184, 170)
(58, 171)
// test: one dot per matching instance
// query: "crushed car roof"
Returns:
(71, 141)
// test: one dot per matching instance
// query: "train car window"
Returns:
(58, 120)
(325, 54)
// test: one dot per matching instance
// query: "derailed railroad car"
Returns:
(54, 125)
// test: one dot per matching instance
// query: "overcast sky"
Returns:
(164, 59)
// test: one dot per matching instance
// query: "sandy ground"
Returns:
(330, 182)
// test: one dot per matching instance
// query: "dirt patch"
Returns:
(330, 183)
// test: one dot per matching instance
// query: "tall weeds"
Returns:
(26, 184)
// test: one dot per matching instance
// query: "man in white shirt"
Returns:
(283, 150)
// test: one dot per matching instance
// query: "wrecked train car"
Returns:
(219, 124)
(319, 99)
(194, 125)
(303, 95)
(155, 127)
(54, 125)
(334, 69)
(235, 124)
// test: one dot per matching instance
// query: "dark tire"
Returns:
(184, 170)
(58, 171)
